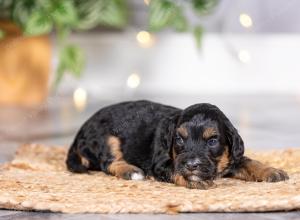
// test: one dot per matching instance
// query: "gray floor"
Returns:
(9, 215)
(264, 121)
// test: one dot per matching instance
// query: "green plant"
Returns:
(171, 13)
(2, 34)
(37, 17)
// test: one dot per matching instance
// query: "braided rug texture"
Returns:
(37, 179)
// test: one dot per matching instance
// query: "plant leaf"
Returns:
(22, 10)
(161, 14)
(89, 13)
(198, 33)
(5, 4)
(180, 23)
(204, 6)
(71, 60)
(62, 34)
(165, 13)
(64, 13)
(2, 34)
(38, 23)
(5, 8)
(111, 13)
(114, 14)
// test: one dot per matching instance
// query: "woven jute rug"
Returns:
(37, 179)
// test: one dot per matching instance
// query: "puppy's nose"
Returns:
(192, 164)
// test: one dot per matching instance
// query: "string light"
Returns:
(145, 39)
(246, 20)
(244, 56)
(147, 2)
(80, 99)
(133, 81)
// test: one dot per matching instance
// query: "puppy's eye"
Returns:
(212, 142)
(179, 141)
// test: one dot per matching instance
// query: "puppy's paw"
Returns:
(137, 176)
(271, 174)
(200, 185)
(179, 180)
(133, 173)
(126, 171)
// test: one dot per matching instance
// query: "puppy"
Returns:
(189, 147)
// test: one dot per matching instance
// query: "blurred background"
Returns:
(61, 62)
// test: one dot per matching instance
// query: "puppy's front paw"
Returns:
(181, 181)
(126, 171)
(200, 185)
(133, 173)
(137, 176)
(271, 174)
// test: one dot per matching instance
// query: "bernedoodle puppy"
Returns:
(190, 147)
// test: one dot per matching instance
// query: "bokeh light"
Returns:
(246, 20)
(133, 81)
(80, 99)
(145, 39)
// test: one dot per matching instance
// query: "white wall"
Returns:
(175, 65)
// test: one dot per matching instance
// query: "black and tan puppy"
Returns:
(189, 147)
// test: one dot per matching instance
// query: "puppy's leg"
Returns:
(252, 170)
(75, 162)
(119, 167)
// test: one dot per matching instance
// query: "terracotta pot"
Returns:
(25, 64)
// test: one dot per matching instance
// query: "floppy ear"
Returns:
(162, 164)
(235, 141)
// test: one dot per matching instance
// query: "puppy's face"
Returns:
(200, 148)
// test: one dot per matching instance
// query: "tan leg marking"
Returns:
(115, 149)
(84, 161)
(253, 170)
(119, 167)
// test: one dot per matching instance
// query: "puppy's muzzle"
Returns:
(193, 164)
(197, 170)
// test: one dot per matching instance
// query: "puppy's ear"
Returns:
(162, 164)
(234, 139)
(236, 144)
(167, 134)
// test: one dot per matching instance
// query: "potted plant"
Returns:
(25, 49)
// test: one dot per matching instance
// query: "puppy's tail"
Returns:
(74, 163)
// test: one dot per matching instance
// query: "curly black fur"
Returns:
(151, 141)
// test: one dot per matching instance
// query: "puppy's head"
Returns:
(205, 143)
